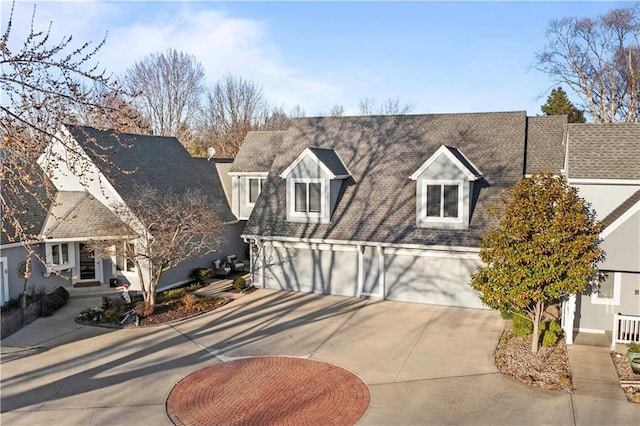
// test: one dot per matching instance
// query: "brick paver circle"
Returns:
(269, 391)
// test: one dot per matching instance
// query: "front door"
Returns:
(87, 263)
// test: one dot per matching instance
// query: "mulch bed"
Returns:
(548, 369)
(626, 374)
(174, 310)
(164, 312)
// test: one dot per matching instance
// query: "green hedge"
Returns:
(53, 301)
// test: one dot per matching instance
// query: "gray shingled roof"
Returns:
(258, 151)
(604, 151)
(464, 160)
(545, 144)
(77, 214)
(382, 152)
(331, 159)
(30, 202)
(621, 209)
(161, 162)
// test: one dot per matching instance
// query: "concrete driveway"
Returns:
(423, 364)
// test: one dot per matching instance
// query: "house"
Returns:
(100, 171)
(395, 207)
(603, 162)
(387, 206)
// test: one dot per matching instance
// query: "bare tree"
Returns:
(599, 58)
(172, 228)
(232, 108)
(391, 106)
(297, 112)
(44, 84)
(336, 111)
(116, 112)
(273, 118)
(167, 88)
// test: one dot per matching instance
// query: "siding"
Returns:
(605, 198)
(591, 316)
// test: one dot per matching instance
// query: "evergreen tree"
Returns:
(559, 104)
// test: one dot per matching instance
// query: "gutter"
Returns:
(362, 243)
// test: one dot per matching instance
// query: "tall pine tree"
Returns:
(559, 104)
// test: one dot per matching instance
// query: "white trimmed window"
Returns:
(124, 252)
(607, 291)
(60, 256)
(254, 189)
(308, 197)
(443, 201)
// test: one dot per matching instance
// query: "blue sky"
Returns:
(437, 56)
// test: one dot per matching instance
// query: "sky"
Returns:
(439, 57)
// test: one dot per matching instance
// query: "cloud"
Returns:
(224, 44)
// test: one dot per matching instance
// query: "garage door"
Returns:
(430, 279)
(311, 270)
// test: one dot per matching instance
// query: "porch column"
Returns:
(360, 270)
(380, 251)
(568, 317)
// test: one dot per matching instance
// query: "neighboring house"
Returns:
(603, 162)
(99, 174)
(396, 206)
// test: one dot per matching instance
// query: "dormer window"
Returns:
(314, 180)
(255, 188)
(443, 199)
(444, 187)
(308, 197)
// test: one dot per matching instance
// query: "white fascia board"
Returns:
(250, 174)
(80, 239)
(619, 221)
(444, 150)
(364, 243)
(573, 181)
(19, 244)
(307, 152)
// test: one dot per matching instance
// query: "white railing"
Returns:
(626, 329)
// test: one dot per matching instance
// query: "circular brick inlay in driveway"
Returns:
(269, 390)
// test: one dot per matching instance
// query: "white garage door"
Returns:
(311, 270)
(431, 279)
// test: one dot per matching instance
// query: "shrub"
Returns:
(522, 326)
(634, 347)
(189, 300)
(506, 313)
(239, 283)
(200, 274)
(174, 293)
(549, 333)
(113, 314)
(52, 301)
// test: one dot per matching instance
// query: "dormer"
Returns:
(313, 181)
(444, 187)
(245, 189)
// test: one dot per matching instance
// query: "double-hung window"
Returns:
(442, 201)
(59, 256)
(308, 197)
(255, 187)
